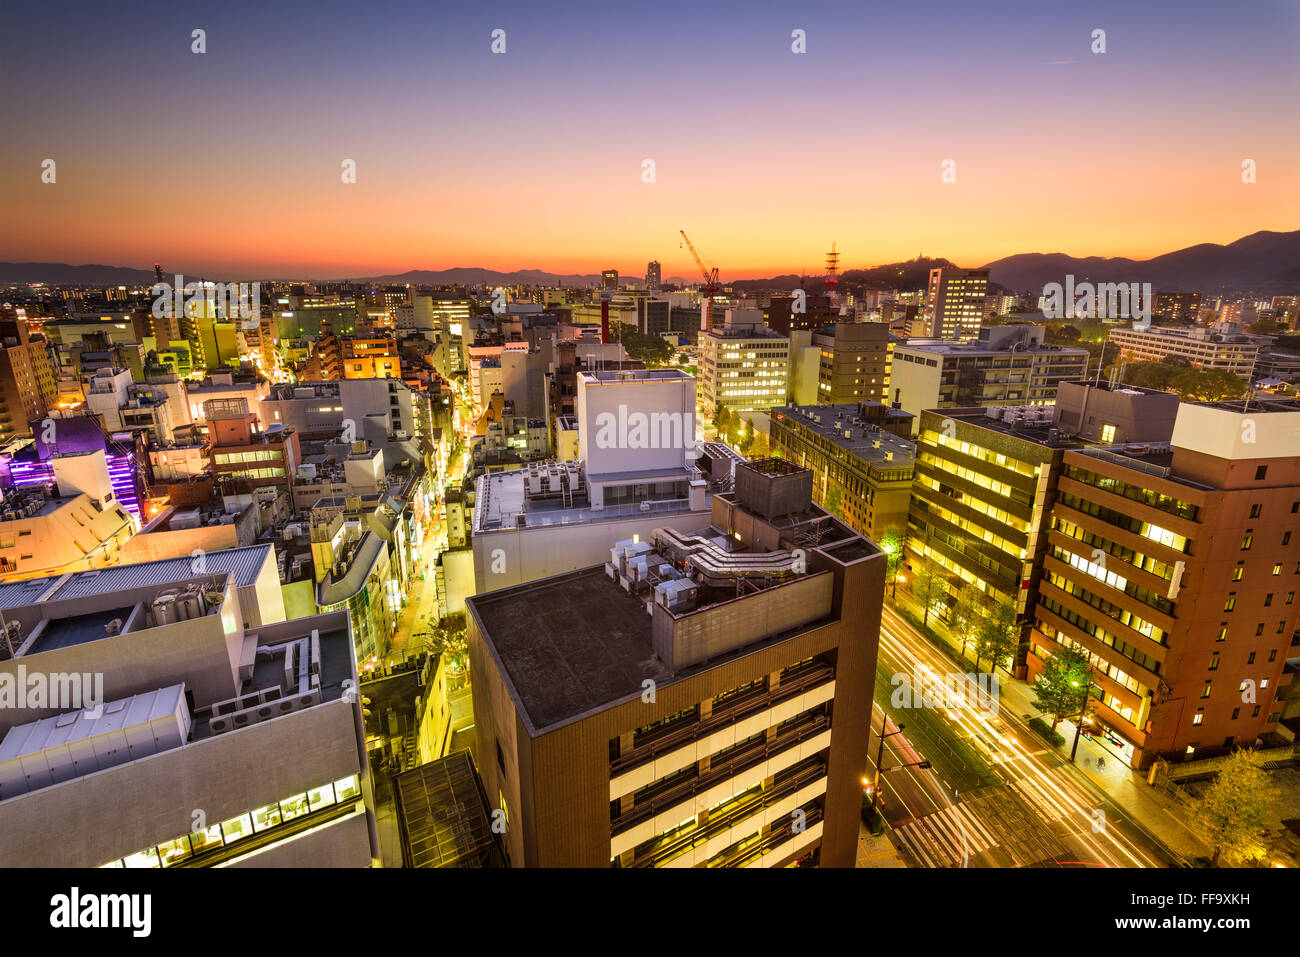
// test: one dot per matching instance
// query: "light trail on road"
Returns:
(1046, 790)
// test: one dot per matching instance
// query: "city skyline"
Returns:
(536, 166)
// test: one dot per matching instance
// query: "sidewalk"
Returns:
(876, 851)
(1151, 810)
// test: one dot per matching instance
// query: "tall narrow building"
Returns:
(955, 303)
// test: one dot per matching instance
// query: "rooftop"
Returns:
(570, 644)
(77, 629)
(1032, 423)
(244, 563)
(443, 816)
(844, 426)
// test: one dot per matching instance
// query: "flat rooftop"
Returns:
(1040, 433)
(635, 375)
(974, 347)
(501, 502)
(863, 436)
(77, 629)
(570, 644)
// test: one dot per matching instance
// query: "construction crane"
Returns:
(710, 285)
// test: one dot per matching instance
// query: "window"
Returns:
(237, 827)
(1277, 569)
(1214, 662)
(320, 797)
(1286, 538)
(1235, 712)
(1230, 604)
(1251, 659)
(1245, 543)
(1272, 656)
(1205, 692)
(1255, 712)
(1268, 599)
(1236, 574)
(1108, 433)
(1255, 510)
(1290, 597)
(1259, 629)
(1198, 719)
(1223, 633)
(1260, 473)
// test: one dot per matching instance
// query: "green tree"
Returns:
(1207, 385)
(891, 543)
(1231, 815)
(1063, 689)
(747, 439)
(720, 415)
(930, 584)
(652, 350)
(834, 501)
(760, 448)
(999, 635)
(965, 618)
(448, 638)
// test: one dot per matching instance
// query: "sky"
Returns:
(535, 158)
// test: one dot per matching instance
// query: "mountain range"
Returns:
(1263, 262)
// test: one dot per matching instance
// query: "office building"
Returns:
(653, 278)
(860, 457)
(1203, 348)
(1175, 566)
(986, 481)
(725, 728)
(743, 365)
(1177, 306)
(1004, 365)
(27, 382)
(955, 302)
(853, 362)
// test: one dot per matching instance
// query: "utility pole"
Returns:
(880, 756)
(1083, 714)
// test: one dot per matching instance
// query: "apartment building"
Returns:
(1203, 348)
(27, 382)
(1177, 306)
(243, 456)
(726, 728)
(1175, 566)
(860, 457)
(1004, 365)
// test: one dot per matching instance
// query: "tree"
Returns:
(1207, 385)
(929, 585)
(652, 350)
(1231, 815)
(891, 543)
(834, 502)
(999, 635)
(760, 448)
(747, 439)
(1063, 689)
(449, 640)
(964, 621)
(720, 416)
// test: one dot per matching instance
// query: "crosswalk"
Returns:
(947, 838)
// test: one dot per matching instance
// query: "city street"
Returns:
(1041, 812)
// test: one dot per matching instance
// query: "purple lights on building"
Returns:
(121, 474)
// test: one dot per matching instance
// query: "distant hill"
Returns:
(1264, 262)
(61, 274)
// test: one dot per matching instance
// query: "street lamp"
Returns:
(880, 757)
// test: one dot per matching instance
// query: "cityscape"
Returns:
(480, 467)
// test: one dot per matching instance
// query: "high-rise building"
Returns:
(743, 365)
(726, 727)
(986, 479)
(854, 362)
(1176, 568)
(955, 302)
(609, 279)
(653, 279)
(27, 384)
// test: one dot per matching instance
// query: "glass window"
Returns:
(295, 806)
(265, 817)
(321, 797)
(347, 788)
(146, 858)
(206, 840)
(237, 827)
(173, 852)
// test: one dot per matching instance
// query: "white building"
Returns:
(743, 365)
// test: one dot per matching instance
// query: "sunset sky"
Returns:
(231, 160)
